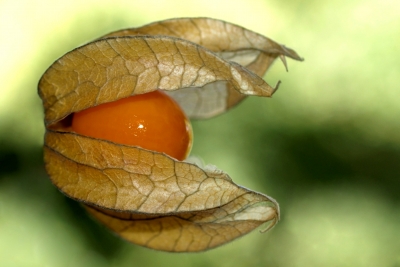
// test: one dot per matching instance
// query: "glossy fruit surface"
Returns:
(153, 121)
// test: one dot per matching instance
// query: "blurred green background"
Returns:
(326, 146)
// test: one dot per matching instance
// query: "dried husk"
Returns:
(147, 197)
(230, 42)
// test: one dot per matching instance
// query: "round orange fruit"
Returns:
(152, 121)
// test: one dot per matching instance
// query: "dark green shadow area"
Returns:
(325, 157)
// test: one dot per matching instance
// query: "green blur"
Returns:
(326, 146)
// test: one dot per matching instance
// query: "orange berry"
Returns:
(153, 121)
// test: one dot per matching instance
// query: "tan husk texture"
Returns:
(144, 196)
(229, 41)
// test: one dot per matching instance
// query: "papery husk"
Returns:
(147, 197)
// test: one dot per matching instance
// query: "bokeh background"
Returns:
(326, 146)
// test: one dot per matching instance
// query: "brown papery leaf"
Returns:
(158, 202)
(229, 41)
(172, 206)
(110, 69)
(144, 196)
(193, 231)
